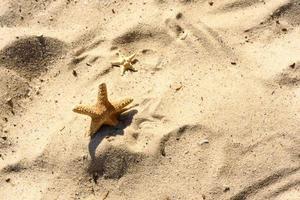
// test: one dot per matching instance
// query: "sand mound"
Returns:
(30, 56)
(141, 34)
(17, 13)
(291, 76)
(281, 21)
(13, 88)
(288, 12)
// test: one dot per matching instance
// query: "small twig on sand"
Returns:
(105, 195)
(62, 128)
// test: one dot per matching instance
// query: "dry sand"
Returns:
(217, 88)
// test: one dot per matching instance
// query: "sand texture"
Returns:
(216, 90)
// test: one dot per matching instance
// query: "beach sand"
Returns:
(216, 109)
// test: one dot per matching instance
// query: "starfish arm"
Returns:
(120, 106)
(122, 110)
(102, 93)
(118, 62)
(85, 110)
(132, 68)
(112, 121)
(96, 123)
(130, 58)
(123, 70)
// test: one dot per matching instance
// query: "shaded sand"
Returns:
(217, 88)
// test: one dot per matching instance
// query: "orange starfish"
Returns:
(103, 112)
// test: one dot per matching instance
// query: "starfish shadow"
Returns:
(125, 120)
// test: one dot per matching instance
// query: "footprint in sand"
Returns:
(198, 37)
(86, 53)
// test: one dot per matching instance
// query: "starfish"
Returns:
(125, 63)
(103, 112)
